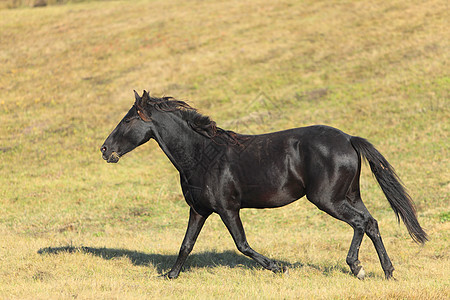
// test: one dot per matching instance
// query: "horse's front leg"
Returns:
(195, 224)
(234, 225)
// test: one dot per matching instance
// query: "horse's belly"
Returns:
(264, 197)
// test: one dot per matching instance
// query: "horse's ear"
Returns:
(145, 96)
(136, 96)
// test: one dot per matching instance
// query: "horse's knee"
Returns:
(372, 228)
(360, 224)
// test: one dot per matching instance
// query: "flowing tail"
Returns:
(390, 183)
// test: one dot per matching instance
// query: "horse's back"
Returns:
(318, 140)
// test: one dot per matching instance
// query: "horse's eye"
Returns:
(127, 120)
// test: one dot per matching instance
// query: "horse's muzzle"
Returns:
(113, 158)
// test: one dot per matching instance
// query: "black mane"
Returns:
(198, 122)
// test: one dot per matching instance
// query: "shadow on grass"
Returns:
(163, 263)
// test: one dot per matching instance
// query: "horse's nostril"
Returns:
(103, 149)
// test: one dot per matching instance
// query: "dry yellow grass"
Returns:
(72, 226)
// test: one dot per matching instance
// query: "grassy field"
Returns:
(72, 226)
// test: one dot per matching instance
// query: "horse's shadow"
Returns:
(163, 263)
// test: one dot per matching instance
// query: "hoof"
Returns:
(388, 274)
(361, 274)
(390, 277)
(168, 276)
(280, 269)
(357, 270)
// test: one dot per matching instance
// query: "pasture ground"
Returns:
(72, 226)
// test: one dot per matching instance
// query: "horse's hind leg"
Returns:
(373, 233)
(357, 219)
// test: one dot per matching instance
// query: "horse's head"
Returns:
(132, 131)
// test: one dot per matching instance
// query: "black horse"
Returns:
(222, 172)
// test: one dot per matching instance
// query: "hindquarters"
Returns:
(332, 168)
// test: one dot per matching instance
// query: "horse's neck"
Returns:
(180, 143)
